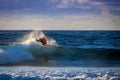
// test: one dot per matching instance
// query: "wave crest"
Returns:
(15, 53)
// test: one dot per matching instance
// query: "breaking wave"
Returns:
(30, 50)
(17, 52)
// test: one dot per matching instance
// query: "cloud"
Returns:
(81, 1)
(67, 3)
(64, 4)
(99, 7)
(71, 14)
(104, 6)
(66, 22)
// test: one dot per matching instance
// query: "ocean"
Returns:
(69, 54)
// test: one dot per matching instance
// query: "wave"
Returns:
(64, 56)
(30, 50)
(18, 52)
(58, 73)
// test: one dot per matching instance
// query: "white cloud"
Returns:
(102, 5)
(64, 4)
(71, 3)
(67, 3)
(81, 1)
(53, 1)
(68, 22)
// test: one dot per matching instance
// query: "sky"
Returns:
(59, 14)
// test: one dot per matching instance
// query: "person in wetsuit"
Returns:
(42, 40)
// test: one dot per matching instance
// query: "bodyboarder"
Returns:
(42, 40)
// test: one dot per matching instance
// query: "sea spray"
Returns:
(15, 54)
(18, 52)
(76, 48)
(32, 36)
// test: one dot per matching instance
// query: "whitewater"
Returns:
(58, 73)
(64, 48)
(68, 55)
(22, 51)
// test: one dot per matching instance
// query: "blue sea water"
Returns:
(67, 54)
(65, 48)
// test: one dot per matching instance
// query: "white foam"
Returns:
(14, 54)
(1, 51)
(20, 52)
(60, 73)
(31, 38)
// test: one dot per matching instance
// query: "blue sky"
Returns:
(60, 14)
